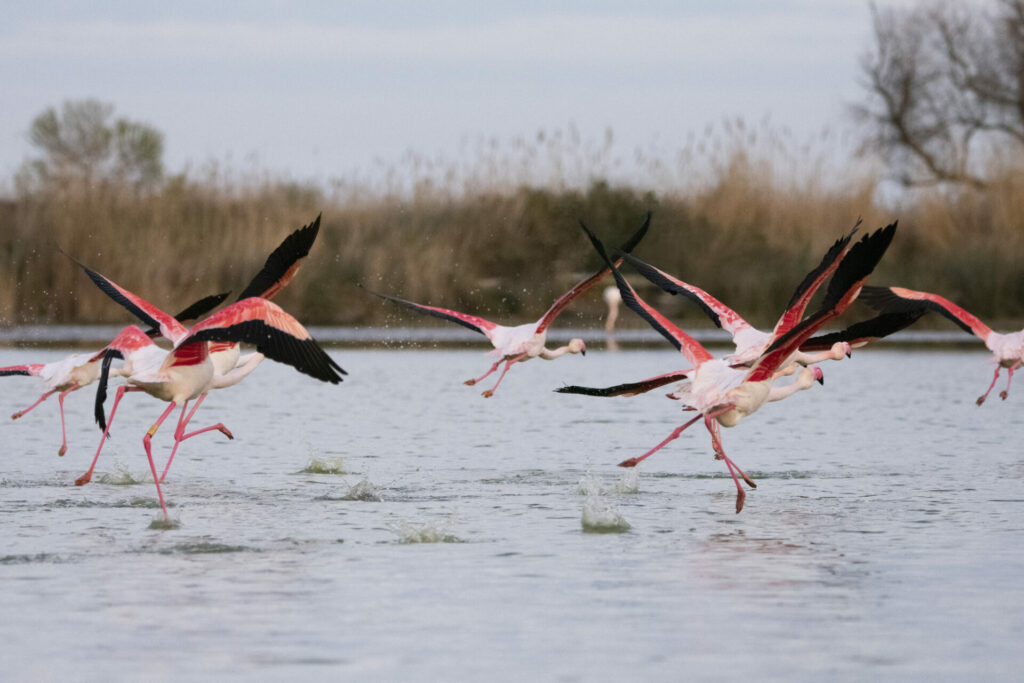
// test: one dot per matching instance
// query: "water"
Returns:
(401, 527)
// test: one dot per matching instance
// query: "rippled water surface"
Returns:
(401, 527)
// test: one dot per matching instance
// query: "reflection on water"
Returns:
(399, 526)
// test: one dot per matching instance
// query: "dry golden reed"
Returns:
(486, 240)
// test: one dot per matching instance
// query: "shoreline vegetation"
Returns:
(505, 249)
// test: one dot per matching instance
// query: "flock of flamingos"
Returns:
(720, 391)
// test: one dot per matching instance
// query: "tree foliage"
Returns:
(945, 86)
(83, 141)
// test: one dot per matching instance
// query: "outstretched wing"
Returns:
(563, 301)
(844, 287)
(146, 312)
(900, 299)
(282, 264)
(274, 333)
(864, 332)
(806, 290)
(720, 314)
(472, 322)
(686, 344)
(31, 369)
(629, 388)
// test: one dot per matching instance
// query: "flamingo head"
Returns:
(577, 346)
(819, 376)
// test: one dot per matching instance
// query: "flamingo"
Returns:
(188, 372)
(278, 270)
(521, 343)
(722, 394)
(750, 342)
(80, 370)
(1007, 348)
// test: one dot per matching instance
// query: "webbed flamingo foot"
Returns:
(84, 479)
(469, 382)
(1003, 394)
(63, 450)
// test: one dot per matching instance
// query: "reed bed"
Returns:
(743, 218)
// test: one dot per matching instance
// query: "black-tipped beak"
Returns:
(849, 354)
(821, 380)
(583, 352)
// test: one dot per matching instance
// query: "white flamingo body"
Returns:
(520, 343)
(1007, 347)
(723, 394)
(187, 372)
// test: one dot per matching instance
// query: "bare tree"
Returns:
(945, 86)
(84, 142)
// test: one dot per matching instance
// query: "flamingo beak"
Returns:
(819, 376)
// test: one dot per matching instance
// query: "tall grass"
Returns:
(742, 213)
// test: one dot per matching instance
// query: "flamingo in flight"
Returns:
(722, 394)
(749, 341)
(278, 270)
(521, 343)
(80, 370)
(188, 371)
(1007, 348)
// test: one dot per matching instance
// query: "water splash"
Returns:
(119, 476)
(363, 490)
(628, 482)
(324, 466)
(163, 524)
(601, 517)
(423, 532)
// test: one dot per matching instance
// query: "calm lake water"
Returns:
(401, 527)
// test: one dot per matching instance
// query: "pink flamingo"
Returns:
(80, 370)
(724, 395)
(521, 343)
(278, 270)
(1007, 348)
(187, 371)
(749, 341)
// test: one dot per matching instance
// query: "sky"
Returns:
(318, 90)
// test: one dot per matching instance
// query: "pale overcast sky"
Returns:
(322, 89)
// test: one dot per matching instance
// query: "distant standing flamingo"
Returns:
(521, 343)
(723, 394)
(187, 371)
(1007, 349)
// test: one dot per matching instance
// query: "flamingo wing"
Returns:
(806, 290)
(844, 287)
(865, 331)
(629, 388)
(472, 322)
(900, 299)
(273, 332)
(686, 344)
(720, 314)
(283, 263)
(32, 369)
(149, 314)
(563, 301)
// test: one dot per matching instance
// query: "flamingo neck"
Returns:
(245, 366)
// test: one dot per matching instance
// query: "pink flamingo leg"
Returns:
(63, 432)
(716, 443)
(981, 399)
(508, 364)
(87, 477)
(633, 462)
(471, 382)
(180, 435)
(41, 399)
(1006, 392)
(149, 454)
